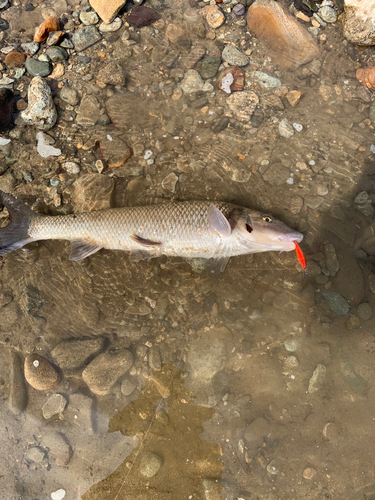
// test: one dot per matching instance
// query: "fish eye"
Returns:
(267, 218)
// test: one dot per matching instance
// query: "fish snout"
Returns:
(292, 237)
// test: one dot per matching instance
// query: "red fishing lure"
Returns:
(301, 259)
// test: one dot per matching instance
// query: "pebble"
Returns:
(317, 379)
(85, 37)
(219, 124)
(286, 129)
(71, 167)
(298, 127)
(88, 18)
(36, 454)
(328, 14)
(209, 67)
(264, 79)
(38, 68)
(54, 37)
(144, 16)
(352, 322)
(313, 202)
(364, 311)
(14, 59)
(113, 26)
(234, 56)
(39, 373)
(30, 48)
(294, 97)
(17, 401)
(69, 95)
(57, 54)
(114, 151)
(150, 464)
(128, 387)
(104, 371)
(213, 15)
(169, 182)
(58, 494)
(58, 447)
(207, 354)
(88, 111)
(107, 10)
(192, 82)
(336, 302)
(54, 405)
(291, 345)
(112, 74)
(239, 9)
(44, 149)
(243, 104)
(276, 175)
(309, 473)
(192, 58)
(42, 31)
(361, 197)
(291, 362)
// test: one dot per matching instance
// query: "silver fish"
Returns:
(190, 229)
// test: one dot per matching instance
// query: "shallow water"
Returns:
(256, 384)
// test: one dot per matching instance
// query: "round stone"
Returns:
(69, 95)
(291, 345)
(39, 373)
(309, 473)
(89, 18)
(38, 68)
(364, 311)
(328, 14)
(291, 362)
(57, 54)
(239, 9)
(71, 167)
(54, 405)
(150, 464)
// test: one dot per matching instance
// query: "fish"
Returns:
(210, 230)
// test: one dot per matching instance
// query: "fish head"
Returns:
(262, 232)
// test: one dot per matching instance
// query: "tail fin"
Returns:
(15, 234)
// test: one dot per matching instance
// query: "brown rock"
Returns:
(142, 16)
(39, 373)
(288, 42)
(242, 104)
(42, 31)
(114, 151)
(174, 33)
(366, 76)
(112, 74)
(294, 97)
(107, 9)
(213, 15)
(54, 37)
(235, 82)
(14, 59)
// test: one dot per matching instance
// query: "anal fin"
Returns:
(81, 249)
(216, 266)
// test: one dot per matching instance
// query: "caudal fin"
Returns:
(15, 234)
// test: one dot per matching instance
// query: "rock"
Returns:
(286, 129)
(42, 31)
(92, 192)
(328, 14)
(242, 104)
(88, 111)
(128, 387)
(331, 262)
(112, 74)
(191, 59)
(219, 124)
(57, 54)
(36, 454)
(175, 34)
(265, 80)
(143, 16)
(317, 379)
(364, 311)
(75, 354)
(207, 354)
(361, 197)
(239, 9)
(104, 371)
(30, 48)
(39, 373)
(44, 149)
(213, 15)
(359, 21)
(336, 302)
(58, 71)
(114, 151)
(54, 405)
(256, 432)
(298, 127)
(169, 182)
(231, 79)
(115, 25)
(150, 464)
(6, 109)
(38, 68)
(69, 95)
(287, 41)
(18, 391)
(106, 9)
(54, 37)
(294, 97)
(85, 37)
(58, 447)
(14, 59)
(234, 56)
(309, 473)
(209, 67)
(41, 111)
(192, 82)
(88, 18)
(58, 494)
(352, 322)
(71, 167)
(313, 202)
(291, 362)
(276, 175)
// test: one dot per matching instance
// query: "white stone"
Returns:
(226, 82)
(41, 111)
(298, 127)
(4, 141)
(328, 14)
(113, 26)
(44, 149)
(71, 167)
(285, 129)
(58, 494)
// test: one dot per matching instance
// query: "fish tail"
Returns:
(15, 234)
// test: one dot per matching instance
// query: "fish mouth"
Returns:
(298, 237)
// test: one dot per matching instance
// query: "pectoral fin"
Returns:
(81, 249)
(144, 241)
(218, 222)
(216, 266)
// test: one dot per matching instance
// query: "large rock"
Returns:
(74, 354)
(359, 21)
(287, 41)
(41, 111)
(107, 9)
